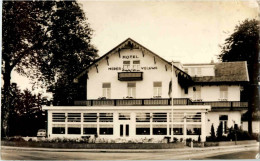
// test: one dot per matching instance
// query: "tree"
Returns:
(26, 115)
(243, 45)
(41, 40)
(220, 131)
(212, 132)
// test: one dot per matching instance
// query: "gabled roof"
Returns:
(227, 72)
(130, 43)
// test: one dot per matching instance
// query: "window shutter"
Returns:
(106, 85)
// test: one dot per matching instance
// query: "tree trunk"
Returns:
(6, 100)
(254, 95)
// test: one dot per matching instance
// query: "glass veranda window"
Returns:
(106, 117)
(90, 117)
(58, 129)
(106, 90)
(142, 117)
(143, 129)
(58, 117)
(90, 129)
(74, 117)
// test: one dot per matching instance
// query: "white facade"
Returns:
(154, 70)
(129, 93)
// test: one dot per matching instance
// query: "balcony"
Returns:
(130, 76)
(134, 102)
(215, 106)
(225, 105)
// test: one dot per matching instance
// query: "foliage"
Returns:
(220, 131)
(26, 115)
(45, 41)
(199, 139)
(212, 132)
(243, 45)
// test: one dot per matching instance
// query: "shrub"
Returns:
(199, 139)
(220, 131)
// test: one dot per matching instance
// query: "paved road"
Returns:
(237, 153)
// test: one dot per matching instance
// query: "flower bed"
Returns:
(75, 145)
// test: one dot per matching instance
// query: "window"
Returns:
(197, 93)
(193, 129)
(157, 89)
(58, 117)
(106, 117)
(177, 129)
(136, 65)
(124, 116)
(159, 117)
(223, 119)
(142, 117)
(90, 117)
(186, 70)
(74, 129)
(131, 90)
(90, 129)
(126, 65)
(106, 90)
(106, 129)
(198, 72)
(192, 71)
(193, 117)
(177, 117)
(223, 93)
(58, 129)
(160, 129)
(74, 117)
(143, 129)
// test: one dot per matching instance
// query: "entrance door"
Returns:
(124, 130)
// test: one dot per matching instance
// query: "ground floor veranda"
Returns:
(134, 122)
(128, 122)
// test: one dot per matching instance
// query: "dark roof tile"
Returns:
(226, 72)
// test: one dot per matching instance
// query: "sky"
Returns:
(185, 31)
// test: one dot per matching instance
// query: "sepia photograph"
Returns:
(130, 80)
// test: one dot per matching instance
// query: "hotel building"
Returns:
(133, 93)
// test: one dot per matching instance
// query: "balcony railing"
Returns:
(134, 102)
(225, 105)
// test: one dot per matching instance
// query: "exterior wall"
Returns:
(212, 93)
(255, 126)
(144, 88)
(234, 117)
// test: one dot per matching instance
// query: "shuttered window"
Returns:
(106, 90)
(131, 90)
(157, 89)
